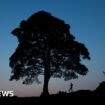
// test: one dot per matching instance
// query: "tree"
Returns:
(46, 47)
(104, 72)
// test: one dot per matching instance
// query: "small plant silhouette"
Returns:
(46, 47)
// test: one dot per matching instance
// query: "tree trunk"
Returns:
(46, 81)
(45, 86)
(46, 58)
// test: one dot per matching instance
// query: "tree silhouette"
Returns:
(104, 72)
(46, 47)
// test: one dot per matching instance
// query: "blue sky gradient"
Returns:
(87, 20)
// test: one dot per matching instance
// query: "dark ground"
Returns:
(80, 97)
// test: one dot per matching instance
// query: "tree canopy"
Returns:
(46, 47)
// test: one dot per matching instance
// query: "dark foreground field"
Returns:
(80, 96)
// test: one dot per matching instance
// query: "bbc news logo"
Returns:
(6, 93)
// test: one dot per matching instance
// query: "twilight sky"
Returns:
(87, 20)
